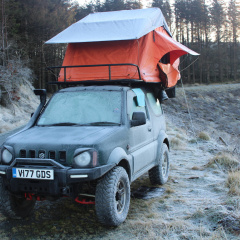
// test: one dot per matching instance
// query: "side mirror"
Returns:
(138, 118)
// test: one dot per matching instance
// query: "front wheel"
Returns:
(113, 197)
(159, 174)
(14, 206)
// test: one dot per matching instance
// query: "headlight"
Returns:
(6, 156)
(83, 159)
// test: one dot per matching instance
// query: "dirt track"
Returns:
(195, 204)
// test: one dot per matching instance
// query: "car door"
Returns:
(141, 145)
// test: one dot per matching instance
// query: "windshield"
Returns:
(83, 108)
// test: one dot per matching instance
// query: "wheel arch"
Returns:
(162, 138)
(120, 158)
(166, 141)
(125, 164)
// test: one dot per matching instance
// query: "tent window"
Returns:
(165, 59)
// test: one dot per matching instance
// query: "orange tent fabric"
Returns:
(145, 52)
(169, 75)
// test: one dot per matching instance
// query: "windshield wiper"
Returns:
(61, 124)
(85, 124)
(104, 124)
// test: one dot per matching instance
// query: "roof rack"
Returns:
(96, 65)
(100, 82)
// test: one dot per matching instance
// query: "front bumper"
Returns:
(64, 177)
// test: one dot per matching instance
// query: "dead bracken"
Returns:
(224, 161)
(233, 183)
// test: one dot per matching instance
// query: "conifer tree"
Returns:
(234, 20)
(218, 18)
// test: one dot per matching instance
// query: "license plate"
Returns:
(26, 173)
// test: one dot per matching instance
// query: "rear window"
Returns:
(154, 104)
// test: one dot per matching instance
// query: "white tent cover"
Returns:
(113, 26)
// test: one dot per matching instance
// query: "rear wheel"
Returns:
(113, 197)
(159, 174)
(14, 206)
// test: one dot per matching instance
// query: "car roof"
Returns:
(109, 87)
(96, 88)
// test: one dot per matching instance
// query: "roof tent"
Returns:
(128, 44)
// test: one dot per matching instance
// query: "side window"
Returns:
(133, 106)
(154, 104)
(136, 108)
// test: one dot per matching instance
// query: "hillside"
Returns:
(19, 111)
(201, 199)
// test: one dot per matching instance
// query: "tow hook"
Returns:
(84, 201)
(31, 196)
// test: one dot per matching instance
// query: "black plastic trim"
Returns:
(65, 172)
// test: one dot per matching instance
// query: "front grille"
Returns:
(23, 153)
(32, 154)
(52, 155)
(42, 154)
(62, 156)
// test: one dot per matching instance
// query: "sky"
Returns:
(146, 3)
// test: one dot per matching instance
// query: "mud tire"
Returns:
(159, 174)
(113, 197)
(12, 206)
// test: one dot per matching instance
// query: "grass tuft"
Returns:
(224, 160)
(192, 141)
(219, 233)
(203, 136)
(197, 168)
(169, 190)
(200, 213)
(177, 143)
(233, 183)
